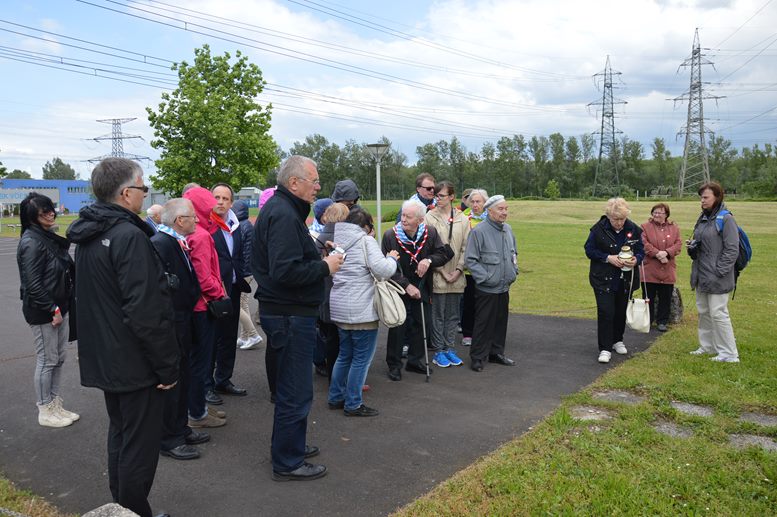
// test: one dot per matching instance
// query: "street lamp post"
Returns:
(377, 151)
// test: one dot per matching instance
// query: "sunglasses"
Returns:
(428, 189)
(144, 188)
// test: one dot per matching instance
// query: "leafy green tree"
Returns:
(211, 128)
(3, 170)
(551, 190)
(56, 169)
(18, 174)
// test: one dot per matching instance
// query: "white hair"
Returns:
(294, 167)
(175, 208)
(414, 204)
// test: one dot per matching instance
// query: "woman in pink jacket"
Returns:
(661, 239)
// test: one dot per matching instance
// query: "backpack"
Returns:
(745, 250)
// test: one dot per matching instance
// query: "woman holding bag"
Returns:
(614, 247)
(661, 239)
(351, 309)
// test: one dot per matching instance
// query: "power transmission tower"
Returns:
(606, 180)
(117, 140)
(695, 170)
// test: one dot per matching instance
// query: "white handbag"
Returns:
(638, 310)
(388, 297)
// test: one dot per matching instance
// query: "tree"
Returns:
(3, 170)
(551, 190)
(211, 128)
(56, 169)
(18, 174)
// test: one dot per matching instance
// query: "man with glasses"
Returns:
(424, 192)
(290, 273)
(126, 335)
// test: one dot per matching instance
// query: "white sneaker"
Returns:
(604, 356)
(48, 416)
(620, 348)
(699, 351)
(251, 343)
(721, 359)
(466, 341)
(64, 412)
(241, 342)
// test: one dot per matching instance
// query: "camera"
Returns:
(337, 250)
(692, 246)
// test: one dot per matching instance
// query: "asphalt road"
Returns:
(424, 434)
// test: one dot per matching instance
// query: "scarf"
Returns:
(420, 235)
(172, 233)
(316, 227)
(220, 223)
(429, 204)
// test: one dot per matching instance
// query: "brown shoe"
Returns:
(208, 421)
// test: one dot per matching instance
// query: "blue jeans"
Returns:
(293, 339)
(357, 347)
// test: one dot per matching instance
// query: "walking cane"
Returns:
(423, 329)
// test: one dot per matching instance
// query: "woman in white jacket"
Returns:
(351, 309)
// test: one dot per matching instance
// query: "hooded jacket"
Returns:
(345, 190)
(45, 273)
(713, 269)
(353, 289)
(286, 264)
(205, 260)
(126, 333)
(240, 208)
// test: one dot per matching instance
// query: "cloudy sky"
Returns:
(413, 71)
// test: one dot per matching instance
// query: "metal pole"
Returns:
(379, 235)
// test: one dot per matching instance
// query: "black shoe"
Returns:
(395, 374)
(416, 368)
(182, 452)
(501, 359)
(340, 404)
(197, 437)
(231, 389)
(361, 411)
(321, 370)
(477, 365)
(212, 398)
(306, 472)
(311, 450)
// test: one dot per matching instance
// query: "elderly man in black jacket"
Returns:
(127, 345)
(420, 249)
(290, 275)
(177, 220)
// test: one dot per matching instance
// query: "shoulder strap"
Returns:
(720, 219)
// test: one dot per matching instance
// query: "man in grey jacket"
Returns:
(492, 259)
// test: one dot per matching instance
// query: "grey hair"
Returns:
(479, 192)
(294, 167)
(154, 209)
(189, 186)
(617, 207)
(414, 204)
(175, 208)
(112, 175)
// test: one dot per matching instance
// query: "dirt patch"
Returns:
(692, 409)
(672, 429)
(623, 397)
(760, 419)
(740, 441)
(587, 413)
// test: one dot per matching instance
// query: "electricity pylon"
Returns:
(117, 140)
(695, 170)
(606, 180)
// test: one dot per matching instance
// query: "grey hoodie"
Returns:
(713, 270)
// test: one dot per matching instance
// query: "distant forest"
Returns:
(553, 166)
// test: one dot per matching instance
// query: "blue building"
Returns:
(72, 194)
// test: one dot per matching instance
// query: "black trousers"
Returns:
(610, 317)
(175, 422)
(468, 310)
(490, 330)
(413, 330)
(329, 335)
(134, 433)
(660, 296)
(226, 343)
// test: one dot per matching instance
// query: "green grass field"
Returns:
(624, 467)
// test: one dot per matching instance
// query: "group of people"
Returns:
(156, 304)
(625, 256)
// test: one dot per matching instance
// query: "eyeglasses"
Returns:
(443, 195)
(659, 213)
(314, 182)
(144, 188)
(428, 189)
(187, 216)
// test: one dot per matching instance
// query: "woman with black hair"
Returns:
(46, 275)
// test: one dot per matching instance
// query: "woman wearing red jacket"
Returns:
(661, 239)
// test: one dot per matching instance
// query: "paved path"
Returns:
(424, 434)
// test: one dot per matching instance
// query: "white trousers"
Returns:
(247, 329)
(716, 335)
